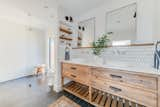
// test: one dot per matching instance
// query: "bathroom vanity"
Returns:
(106, 86)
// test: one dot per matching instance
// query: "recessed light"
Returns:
(52, 16)
(29, 14)
(30, 29)
(46, 7)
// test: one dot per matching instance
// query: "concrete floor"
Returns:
(19, 93)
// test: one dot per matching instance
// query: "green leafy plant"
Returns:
(100, 44)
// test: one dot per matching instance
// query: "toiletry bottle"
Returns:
(67, 52)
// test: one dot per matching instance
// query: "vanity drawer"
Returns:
(76, 72)
(76, 78)
(74, 68)
(127, 78)
(133, 94)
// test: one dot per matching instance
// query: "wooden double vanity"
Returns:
(106, 87)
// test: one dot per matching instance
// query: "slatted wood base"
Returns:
(78, 90)
(99, 98)
(107, 100)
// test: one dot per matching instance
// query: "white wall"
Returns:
(52, 31)
(23, 41)
(145, 15)
(20, 49)
(157, 20)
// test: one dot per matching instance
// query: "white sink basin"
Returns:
(100, 63)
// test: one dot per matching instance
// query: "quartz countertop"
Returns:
(117, 65)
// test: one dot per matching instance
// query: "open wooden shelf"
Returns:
(65, 38)
(78, 90)
(131, 45)
(79, 38)
(65, 30)
(98, 98)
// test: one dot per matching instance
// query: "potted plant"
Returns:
(99, 45)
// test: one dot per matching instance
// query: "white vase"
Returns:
(97, 59)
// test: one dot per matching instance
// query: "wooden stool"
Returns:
(39, 69)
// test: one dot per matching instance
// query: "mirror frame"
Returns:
(94, 19)
(106, 14)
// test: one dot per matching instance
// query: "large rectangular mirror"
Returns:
(121, 25)
(86, 32)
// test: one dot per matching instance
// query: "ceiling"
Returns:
(78, 7)
(45, 9)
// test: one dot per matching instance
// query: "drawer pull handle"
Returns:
(73, 68)
(73, 76)
(115, 89)
(115, 76)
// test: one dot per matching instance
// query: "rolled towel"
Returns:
(157, 59)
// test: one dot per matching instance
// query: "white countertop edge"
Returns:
(125, 68)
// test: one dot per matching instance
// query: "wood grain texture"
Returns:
(103, 100)
(108, 102)
(142, 44)
(64, 102)
(144, 97)
(84, 96)
(94, 95)
(65, 30)
(76, 73)
(114, 102)
(98, 99)
(65, 38)
(141, 81)
(141, 88)
(90, 94)
(126, 104)
(62, 77)
(120, 103)
(159, 91)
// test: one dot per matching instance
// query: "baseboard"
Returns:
(15, 78)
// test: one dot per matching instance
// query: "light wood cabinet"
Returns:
(77, 73)
(121, 76)
(158, 92)
(101, 85)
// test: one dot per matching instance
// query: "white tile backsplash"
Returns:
(137, 55)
